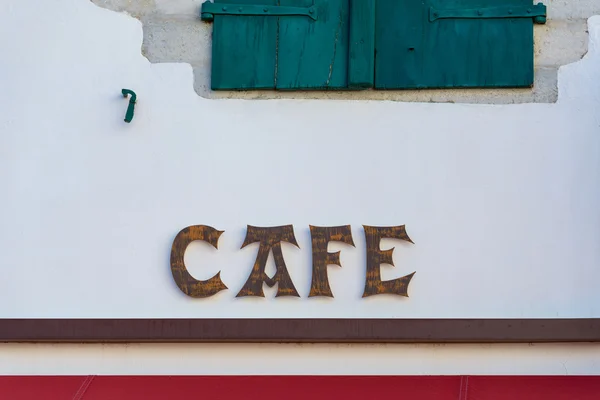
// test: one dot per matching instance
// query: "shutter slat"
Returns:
(314, 54)
(244, 50)
(361, 62)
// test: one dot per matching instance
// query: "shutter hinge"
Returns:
(209, 10)
(537, 12)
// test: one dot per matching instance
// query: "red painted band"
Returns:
(301, 387)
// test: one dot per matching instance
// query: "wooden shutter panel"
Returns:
(243, 48)
(455, 43)
(305, 50)
(294, 45)
(314, 54)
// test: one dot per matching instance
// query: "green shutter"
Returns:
(358, 44)
(279, 44)
(455, 43)
(314, 54)
(244, 51)
(361, 64)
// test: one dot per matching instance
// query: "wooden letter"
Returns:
(186, 282)
(270, 239)
(376, 257)
(321, 236)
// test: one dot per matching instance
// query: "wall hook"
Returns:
(131, 107)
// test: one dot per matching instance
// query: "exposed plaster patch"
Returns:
(586, 89)
(135, 8)
(174, 33)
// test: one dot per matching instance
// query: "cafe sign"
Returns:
(270, 238)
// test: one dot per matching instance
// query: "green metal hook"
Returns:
(131, 107)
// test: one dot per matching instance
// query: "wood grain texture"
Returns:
(413, 52)
(288, 52)
(301, 330)
(186, 282)
(361, 58)
(244, 49)
(314, 54)
(320, 238)
(270, 240)
(375, 257)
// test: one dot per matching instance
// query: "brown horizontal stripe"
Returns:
(301, 330)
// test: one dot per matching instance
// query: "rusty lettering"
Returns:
(375, 257)
(270, 240)
(186, 282)
(320, 237)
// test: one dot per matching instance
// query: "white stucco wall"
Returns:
(299, 359)
(501, 201)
